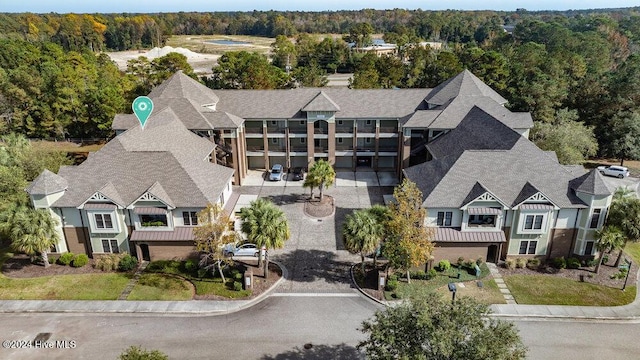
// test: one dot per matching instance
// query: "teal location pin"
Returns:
(142, 106)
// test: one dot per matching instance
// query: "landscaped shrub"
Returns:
(80, 260)
(510, 264)
(460, 261)
(533, 264)
(479, 261)
(127, 263)
(521, 263)
(591, 262)
(393, 277)
(66, 259)
(620, 274)
(469, 264)
(559, 263)
(52, 260)
(392, 284)
(444, 265)
(431, 274)
(202, 273)
(237, 276)
(237, 286)
(191, 266)
(573, 263)
(605, 258)
(108, 262)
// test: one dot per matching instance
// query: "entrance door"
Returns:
(144, 248)
(492, 253)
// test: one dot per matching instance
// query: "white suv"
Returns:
(617, 171)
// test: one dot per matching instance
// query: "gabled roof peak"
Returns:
(180, 85)
(321, 102)
(463, 84)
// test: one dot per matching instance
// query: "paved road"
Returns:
(277, 328)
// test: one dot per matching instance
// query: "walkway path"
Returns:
(134, 280)
(501, 285)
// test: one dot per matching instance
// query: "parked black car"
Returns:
(298, 174)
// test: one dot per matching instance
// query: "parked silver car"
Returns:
(276, 173)
(247, 249)
(616, 171)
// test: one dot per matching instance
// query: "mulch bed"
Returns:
(585, 274)
(319, 208)
(260, 285)
(20, 266)
(370, 282)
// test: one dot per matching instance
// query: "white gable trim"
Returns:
(147, 196)
(487, 196)
(99, 197)
(537, 198)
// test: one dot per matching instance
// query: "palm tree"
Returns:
(321, 175)
(266, 226)
(33, 232)
(362, 233)
(624, 213)
(608, 238)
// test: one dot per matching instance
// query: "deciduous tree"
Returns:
(431, 328)
(211, 235)
(409, 241)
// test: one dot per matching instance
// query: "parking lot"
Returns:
(343, 179)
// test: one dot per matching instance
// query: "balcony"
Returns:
(387, 148)
(344, 147)
(253, 130)
(255, 147)
(344, 129)
(367, 129)
(321, 149)
(277, 148)
(297, 129)
(389, 129)
(275, 130)
(298, 148)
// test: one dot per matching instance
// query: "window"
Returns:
(339, 122)
(153, 220)
(444, 218)
(319, 116)
(533, 222)
(303, 140)
(588, 249)
(368, 122)
(103, 222)
(595, 218)
(339, 140)
(110, 246)
(302, 122)
(273, 122)
(274, 141)
(528, 247)
(190, 218)
(482, 221)
(367, 140)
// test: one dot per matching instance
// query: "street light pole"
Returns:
(627, 277)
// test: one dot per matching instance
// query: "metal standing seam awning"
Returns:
(483, 211)
(180, 233)
(150, 210)
(456, 235)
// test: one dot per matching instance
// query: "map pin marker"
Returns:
(142, 106)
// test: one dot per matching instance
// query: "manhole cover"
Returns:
(42, 337)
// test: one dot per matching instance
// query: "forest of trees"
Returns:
(577, 72)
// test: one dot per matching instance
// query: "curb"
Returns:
(364, 293)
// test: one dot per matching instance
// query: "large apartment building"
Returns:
(490, 191)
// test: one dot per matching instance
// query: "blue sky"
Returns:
(120, 6)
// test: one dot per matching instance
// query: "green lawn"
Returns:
(204, 286)
(64, 287)
(161, 287)
(106, 286)
(550, 290)
(633, 250)
(489, 294)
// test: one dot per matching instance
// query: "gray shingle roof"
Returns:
(482, 151)
(464, 84)
(165, 159)
(591, 183)
(321, 102)
(181, 86)
(47, 183)
(455, 111)
(353, 103)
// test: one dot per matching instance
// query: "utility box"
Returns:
(382, 280)
(248, 279)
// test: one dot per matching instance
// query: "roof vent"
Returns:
(211, 106)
